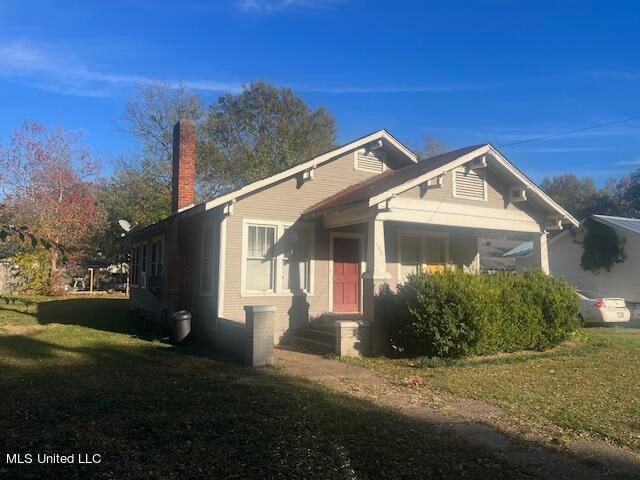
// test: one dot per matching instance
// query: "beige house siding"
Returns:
(285, 202)
(496, 190)
(496, 196)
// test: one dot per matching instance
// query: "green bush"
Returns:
(455, 314)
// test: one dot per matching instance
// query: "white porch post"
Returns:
(376, 252)
(376, 274)
(540, 254)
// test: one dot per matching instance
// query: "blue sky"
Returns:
(466, 72)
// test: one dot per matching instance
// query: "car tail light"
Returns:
(600, 304)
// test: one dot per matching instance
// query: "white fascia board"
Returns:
(406, 151)
(429, 175)
(533, 187)
(466, 158)
(381, 134)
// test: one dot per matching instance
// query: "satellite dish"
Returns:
(126, 226)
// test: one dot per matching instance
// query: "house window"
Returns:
(435, 255)
(143, 266)
(277, 258)
(422, 251)
(135, 265)
(469, 184)
(409, 255)
(369, 163)
(260, 258)
(206, 278)
(296, 260)
(157, 259)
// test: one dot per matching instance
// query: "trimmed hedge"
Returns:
(455, 314)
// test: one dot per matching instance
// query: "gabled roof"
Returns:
(630, 224)
(387, 139)
(385, 181)
(388, 184)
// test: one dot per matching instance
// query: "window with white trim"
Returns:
(277, 258)
(296, 260)
(422, 252)
(260, 276)
(206, 274)
(409, 255)
(470, 184)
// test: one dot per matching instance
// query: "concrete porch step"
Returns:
(330, 319)
(311, 345)
(315, 338)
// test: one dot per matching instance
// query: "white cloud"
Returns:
(563, 149)
(52, 70)
(435, 88)
(627, 163)
(616, 74)
(268, 6)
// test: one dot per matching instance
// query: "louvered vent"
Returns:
(369, 163)
(469, 184)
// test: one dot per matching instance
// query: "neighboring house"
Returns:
(317, 240)
(623, 280)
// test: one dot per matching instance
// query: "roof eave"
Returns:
(314, 162)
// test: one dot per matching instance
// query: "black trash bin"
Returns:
(180, 326)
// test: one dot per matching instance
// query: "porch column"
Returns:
(376, 254)
(540, 254)
(375, 276)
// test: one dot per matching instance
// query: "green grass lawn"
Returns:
(81, 376)
(589, 386)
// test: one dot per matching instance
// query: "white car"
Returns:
(594, 308)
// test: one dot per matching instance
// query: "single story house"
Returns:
(318, 240)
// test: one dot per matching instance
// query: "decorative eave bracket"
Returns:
(227, 210)
(553, 223)
(517, 194)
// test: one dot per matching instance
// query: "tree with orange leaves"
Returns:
(47, 179)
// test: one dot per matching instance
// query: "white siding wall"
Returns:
(622, 281)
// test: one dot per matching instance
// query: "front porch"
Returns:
(382, 252)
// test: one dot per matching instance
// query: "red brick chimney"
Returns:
(183, 185)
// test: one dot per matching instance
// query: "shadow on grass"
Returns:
(153, 414)
(106, 314)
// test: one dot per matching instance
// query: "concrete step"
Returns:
(330, 319)
(312, 344)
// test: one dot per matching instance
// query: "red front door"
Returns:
(346, 275)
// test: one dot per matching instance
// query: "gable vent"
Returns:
(369, 163)
(469, 184)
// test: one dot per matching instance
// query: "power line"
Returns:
(577, 130)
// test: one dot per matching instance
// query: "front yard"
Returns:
(80, 376)
(590, 386)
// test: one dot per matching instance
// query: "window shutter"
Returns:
(469, 184)
(369, 163)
